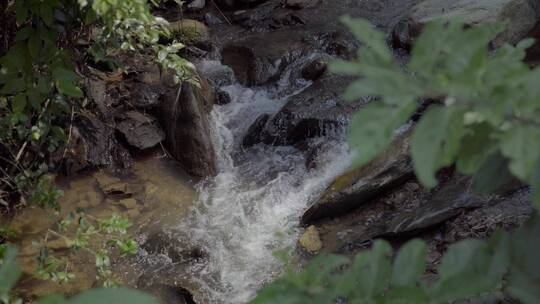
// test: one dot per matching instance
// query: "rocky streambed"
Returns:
(262, 141)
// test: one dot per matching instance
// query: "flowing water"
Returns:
(252, 207)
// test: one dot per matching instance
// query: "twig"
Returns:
(69, 134)
(222, 14)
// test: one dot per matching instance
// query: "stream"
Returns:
(251, 208)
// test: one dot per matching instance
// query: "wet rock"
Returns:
(237, 3)
(254, 17)
(186, 124)
(260, 58)
(314, 70)
(76, 154)
(128, 203)
(196, 5)
(222, 97)
(191, 31)
(521, 16)
(359, 186)
(212, 19)
(253, 134)
(445, 204)
(112, 186)
(98, 144)
(217, 74)
(453, 198)
(300, 4)
(140, 131)
(166, 243)
(166, 294)
(318, 110)
(311, 240)
(507, 214)
(145, 96)
(285, 18)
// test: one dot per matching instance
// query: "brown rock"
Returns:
(311, 240)
(186, 123)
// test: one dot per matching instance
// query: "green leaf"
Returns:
(375, 124)
(34, 45)
(113, 296)
(19, 103)
(46, 13)
(21, 11)
(371, 271)
(10, 271)
(477, 144)
(364, 31)
(65, 82)
(436, 142)
(521, 144)
(492, 174)
(409, 264)
(12, 86)
(24, 33)
(68, 88)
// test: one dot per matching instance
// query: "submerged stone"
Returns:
(310, 240)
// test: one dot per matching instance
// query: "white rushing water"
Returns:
(252, 207)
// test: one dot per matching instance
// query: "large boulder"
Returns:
(261, 58)
(140, 131)
(95, 146)
(520, 15)
(317, 111)
(185, 119)
(357, 187)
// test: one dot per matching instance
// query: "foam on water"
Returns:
(252, 207)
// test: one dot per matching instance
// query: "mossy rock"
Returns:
(189, 31)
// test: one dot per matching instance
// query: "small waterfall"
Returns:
(252, 207)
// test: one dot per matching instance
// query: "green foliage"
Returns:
(39, 86)
(490, 101)
(10, 273)
(469, 269)
(486, 123)
(96, 236)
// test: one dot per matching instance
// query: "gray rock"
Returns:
(236, 3)
(257, 17)
(184, 118)
(314, 69)
(215, 72)
(141, 131)
(261, 58)
(253, 134)
(453, 198)
(212, 19)
(318, 110)
(222, 97)
(357, 187)
(521, 15)
(101, 148)
(196, 5)
(300, 4)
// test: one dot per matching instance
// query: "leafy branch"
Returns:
(487, 118)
